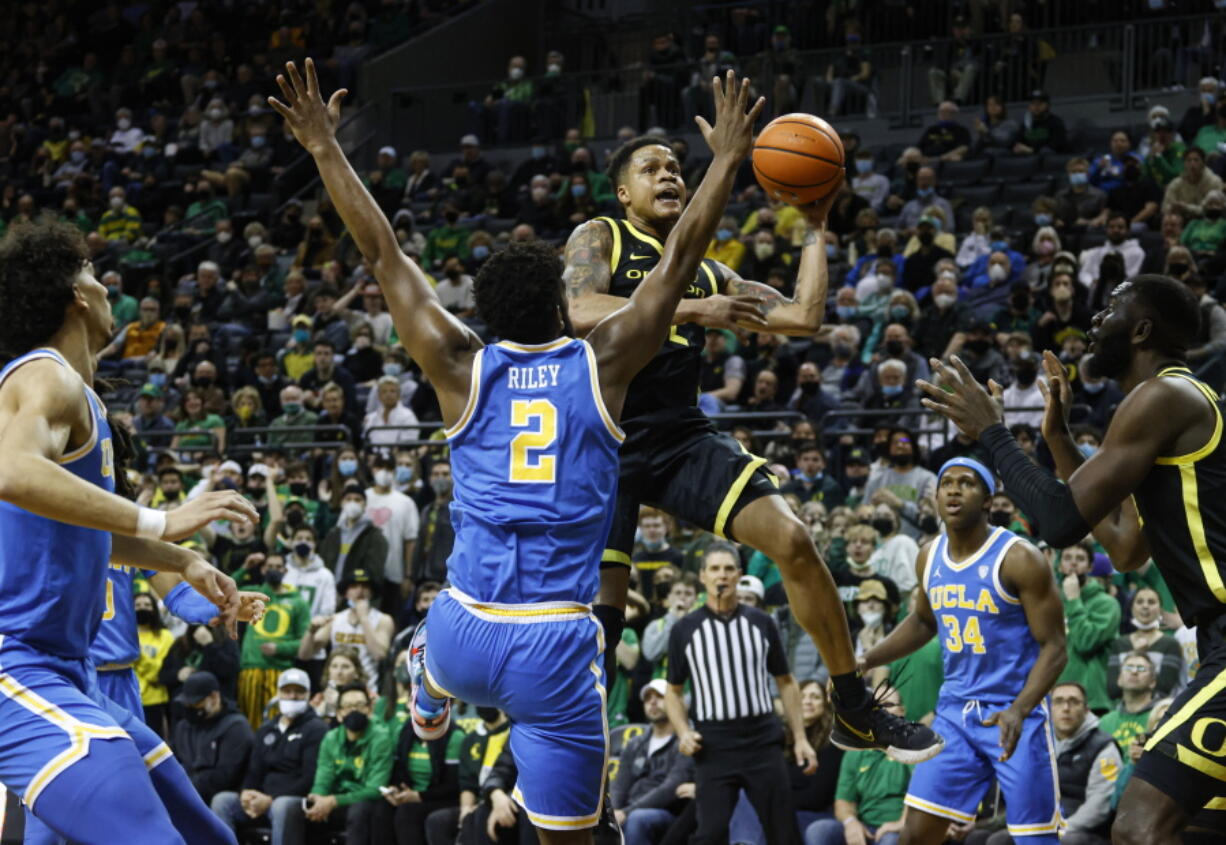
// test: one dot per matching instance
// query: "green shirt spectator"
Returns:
(1202, 234)
(198, 441)
(1124, 726)
(294, 415)
(619, 693)
(204, 212)
(124, 309)
(352, 766)
(1212, 135)
(79, 78)
(76, 217)
(448, 239)
(285, 622)
(1093, 620)
(918, 678)
(1164, 166)
(875, 784)
(1137, 682)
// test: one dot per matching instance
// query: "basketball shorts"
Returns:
(122, 687)
(952, 784)
(1186, 755)
(678, 462)
(542, 665)
(64, 749)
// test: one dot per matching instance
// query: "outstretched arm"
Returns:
(1146, 425)
(1025, 571)
(442, 344)
(42, 403)
(1120, 532)
(803, 314)
(627, 339)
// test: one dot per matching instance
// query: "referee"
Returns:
(727, 651)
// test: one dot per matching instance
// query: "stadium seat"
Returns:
(973, 195)
(1014, 169)
(1054, 163)
(1022, 192)
(969, 172)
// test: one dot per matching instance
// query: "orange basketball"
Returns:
(797, 158)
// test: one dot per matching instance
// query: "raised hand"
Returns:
(1057, 396)
(732, 134)
(312, 121)
(961, 399)
(217, 587)
(186, 520)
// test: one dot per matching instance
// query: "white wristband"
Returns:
(150, 524)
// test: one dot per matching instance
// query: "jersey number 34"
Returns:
(530, 462)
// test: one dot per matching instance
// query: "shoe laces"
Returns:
(892, 722)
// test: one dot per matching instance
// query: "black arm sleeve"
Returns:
(1037, 491)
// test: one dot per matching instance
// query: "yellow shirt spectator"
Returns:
(154, 646)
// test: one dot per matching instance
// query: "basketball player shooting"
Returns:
(534, 439)
(1155, 488)
(674, 458)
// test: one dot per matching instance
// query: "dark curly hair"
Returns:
(621, 156)
(519, 292)
(39, 263)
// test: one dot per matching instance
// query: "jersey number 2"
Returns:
(528, 464)
(109, 613)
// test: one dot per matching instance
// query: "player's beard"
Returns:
(1112, 354)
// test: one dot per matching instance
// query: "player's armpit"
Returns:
(587, 276)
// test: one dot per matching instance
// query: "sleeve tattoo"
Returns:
(772, 299)
(587, 261)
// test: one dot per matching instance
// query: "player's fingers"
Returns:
(932, 390)
(997, 391)
(964, 372)
(279, 107)
(312, 81)
(756, 110)
(703, 126)
(295, 78)
(334, 102)
(742, 95)
(291, 97)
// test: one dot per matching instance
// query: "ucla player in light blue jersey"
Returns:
(534, 438)
(89, 770)
(992, 599)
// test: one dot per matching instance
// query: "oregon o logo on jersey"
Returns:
(267, 628)
(1201, 727)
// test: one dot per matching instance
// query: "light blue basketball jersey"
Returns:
(52, 575)
(118, 640)
(986, 644)
(534, 458)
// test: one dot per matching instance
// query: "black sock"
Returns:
(613, 621)
(850, 689)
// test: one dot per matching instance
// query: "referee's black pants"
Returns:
(720, 773)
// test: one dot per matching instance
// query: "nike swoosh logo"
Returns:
(640, 257)
(867, 737)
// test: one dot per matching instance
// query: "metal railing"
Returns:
(1082, 63)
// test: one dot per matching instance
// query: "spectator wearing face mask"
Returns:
(1024, 392)
(896, 551)
(904, 481)
(305, 570)
(920, 264)
(282, 764)
(539, 207)
(654, 550)
(765, 255)
(355, 542)
(1066, 312)
(121, 222)
(1204, 236)
(886, 247)
(436, 534)
(270, 645)
(941, 317)
(1078, 203)
(925, 196)
(212, 740)
(293, 415)
(867, 183)
(810, 482)
(396, 515)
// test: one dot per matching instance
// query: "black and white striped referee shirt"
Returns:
(729, 661)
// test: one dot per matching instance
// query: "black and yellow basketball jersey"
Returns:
(1182, 504)
(669, 380)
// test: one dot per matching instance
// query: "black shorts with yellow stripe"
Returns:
(676, 461)
(1186, 755)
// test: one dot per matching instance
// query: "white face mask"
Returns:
(352, 511)
(997, 272)
(384, 477)
(944, 300)
(292, 709)
(254, 241)
(871, 618)
(124, 124)
(117, 203)
(517, 73)
(224, 237)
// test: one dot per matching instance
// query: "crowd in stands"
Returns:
(265, 361)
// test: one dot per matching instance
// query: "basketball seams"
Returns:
(758, 172)
(829, 161)
(796, 157)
